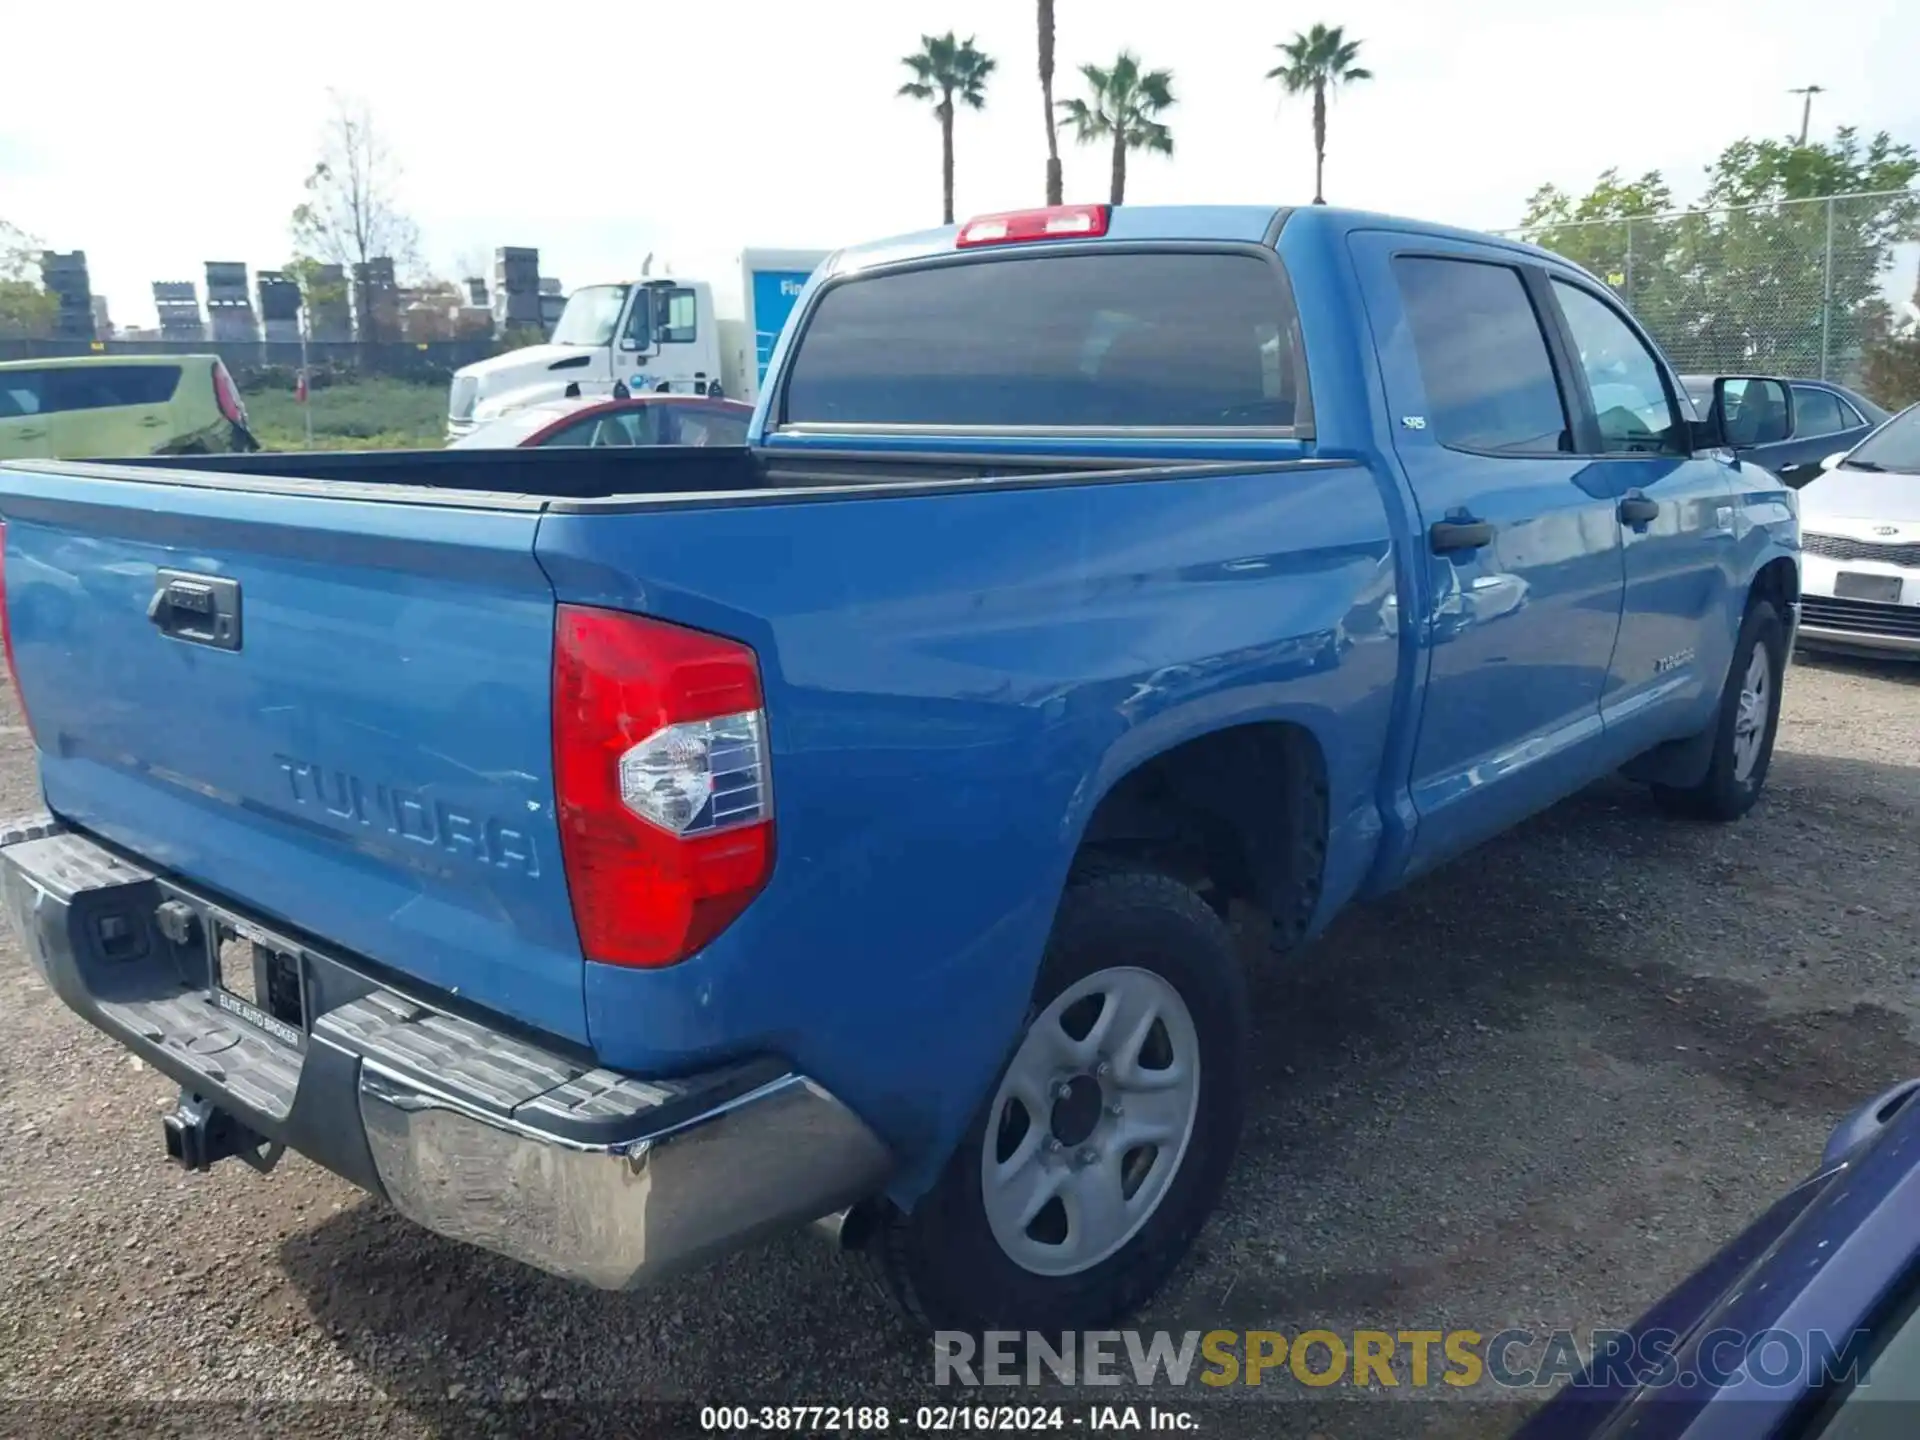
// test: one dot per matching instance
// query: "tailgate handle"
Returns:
(199, 609)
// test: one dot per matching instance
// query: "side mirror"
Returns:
(1750, 410)
(1832, 462)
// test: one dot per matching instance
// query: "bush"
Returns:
(351, 414)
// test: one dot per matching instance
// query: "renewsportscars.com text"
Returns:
(1391, 1359)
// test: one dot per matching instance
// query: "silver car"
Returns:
(1860, 526)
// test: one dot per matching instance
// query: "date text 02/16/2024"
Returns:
(939, 1419)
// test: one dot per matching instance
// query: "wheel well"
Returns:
(1779, 582)
(1239, 814)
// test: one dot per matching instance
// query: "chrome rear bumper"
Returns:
(474, 1133)
(614, 1215)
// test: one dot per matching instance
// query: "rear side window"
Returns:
(1483, 359)
(1817, 412)
(691, 425)
(100, 387)
(1191, 341)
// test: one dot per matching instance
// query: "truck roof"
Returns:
(1249, 224)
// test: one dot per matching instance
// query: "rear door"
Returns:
(1522, 545)
(368, 755)
(100, 411)
(26, 430)
(1823, 424)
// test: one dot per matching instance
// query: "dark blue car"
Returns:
(1823, 420)
(1805, 1327)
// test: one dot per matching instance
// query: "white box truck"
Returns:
(652, 333)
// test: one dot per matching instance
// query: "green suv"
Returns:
(100, 406)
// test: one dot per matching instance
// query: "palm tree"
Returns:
(1318, 61)
(948, 69)
(1055, 185)
(1125, 102)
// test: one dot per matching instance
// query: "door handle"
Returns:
(152, 420)
(30, 434)
(1446, 535)
(1637, 509)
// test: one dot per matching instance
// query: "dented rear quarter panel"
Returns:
(952, 683)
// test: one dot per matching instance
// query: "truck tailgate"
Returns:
(360, 750)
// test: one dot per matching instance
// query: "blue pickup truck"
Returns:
(610, 858)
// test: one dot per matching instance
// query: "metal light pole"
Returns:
(306, 383)
(1806, 107)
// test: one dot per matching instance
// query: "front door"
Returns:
(25, 427)
(1676, 517)
(1522, 546)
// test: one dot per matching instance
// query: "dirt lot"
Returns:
(1536, 1089)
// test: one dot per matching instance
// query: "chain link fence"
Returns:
(1826, 288)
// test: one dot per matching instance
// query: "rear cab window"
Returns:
(1136, 340)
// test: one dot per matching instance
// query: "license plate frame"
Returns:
(1860, 585)
(251, 978)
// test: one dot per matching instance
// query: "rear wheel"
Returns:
(1745, 727)
(1108, 1135)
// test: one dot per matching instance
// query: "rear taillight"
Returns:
(6, 633)
(662, 779)
(1059, 222)
(227, 394)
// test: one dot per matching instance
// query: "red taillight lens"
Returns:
(661, 776)
(6, 633)
(227, 394)
(1060, 222)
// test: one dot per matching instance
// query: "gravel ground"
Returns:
(1536, 1089)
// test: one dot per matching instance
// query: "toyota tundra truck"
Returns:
(607, 858)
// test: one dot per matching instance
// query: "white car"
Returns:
(1860, 531)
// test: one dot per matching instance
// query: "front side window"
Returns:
(20, 393)
(1636, 415)
(1629, 397)
(1121, 339)
(1816, 412)
(1483, 358)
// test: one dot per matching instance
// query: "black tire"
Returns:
(941, 1264)
(1723, 794)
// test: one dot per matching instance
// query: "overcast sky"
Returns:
(157, 137)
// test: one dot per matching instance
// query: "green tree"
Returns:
(1056, 187)
(27, 311)
(946, 69)
(1316, 62)
(352, 214)
(1766, 273)
(1125, 106)
(1610, 230)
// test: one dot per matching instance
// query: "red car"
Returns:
(599, 420)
